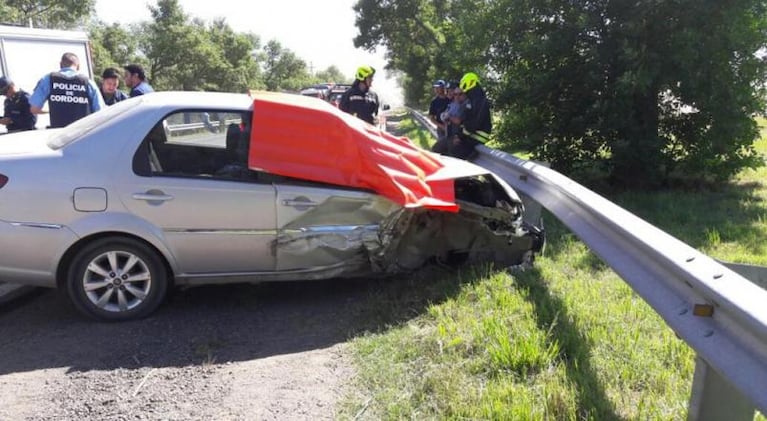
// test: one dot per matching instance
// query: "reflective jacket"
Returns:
(477, 123)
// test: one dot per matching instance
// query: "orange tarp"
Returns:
(307, 138)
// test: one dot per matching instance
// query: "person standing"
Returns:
(110, 81)
(359, 100)
(70, 95)
(438, 106)
(477, 122)
(17, 116)
(135, 78)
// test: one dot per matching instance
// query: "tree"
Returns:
(332, 74)
(112, 45)
(411, 33)
(647, 92)
(188, 54)
(283, 70)
(51, 14)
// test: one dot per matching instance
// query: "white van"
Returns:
(27, 54)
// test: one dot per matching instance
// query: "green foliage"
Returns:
(332, 74)
(181, 53)
(51, 14)
(283, 70)
(410, 32)
(651, 91)
(112, 46)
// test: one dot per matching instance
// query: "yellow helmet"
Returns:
(468, 81)
(364, 72)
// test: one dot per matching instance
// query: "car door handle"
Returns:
(152, 197)
(301, 203)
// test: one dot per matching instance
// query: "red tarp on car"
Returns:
(310, 139)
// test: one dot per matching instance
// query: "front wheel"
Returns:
(116, 279)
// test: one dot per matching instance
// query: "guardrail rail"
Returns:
(718, 312)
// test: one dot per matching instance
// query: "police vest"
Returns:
(68, 100)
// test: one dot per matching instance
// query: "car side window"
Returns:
(200, 143)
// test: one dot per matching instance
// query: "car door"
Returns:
(320, 226)
(213, 221)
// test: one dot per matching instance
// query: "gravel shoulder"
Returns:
(272, 351)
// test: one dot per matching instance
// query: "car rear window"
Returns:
(81, 127)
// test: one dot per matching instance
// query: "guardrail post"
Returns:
(714, 398)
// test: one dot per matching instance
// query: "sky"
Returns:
(319, 32)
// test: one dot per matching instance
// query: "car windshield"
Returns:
(76, 130)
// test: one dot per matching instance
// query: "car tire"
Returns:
(116, 279)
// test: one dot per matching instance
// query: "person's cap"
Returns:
(110, 73)
(4, 84)
(135, 69)
(439, 84)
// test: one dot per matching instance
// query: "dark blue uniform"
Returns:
(68, 100)
(363, 104)
(17, 109)
(114, 99)
(477, 124)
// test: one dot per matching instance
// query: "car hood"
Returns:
(32, 142)
(308, 138)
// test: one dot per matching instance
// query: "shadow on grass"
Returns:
(392, 302)
(552, 314)
(734, 213)
(558, 246)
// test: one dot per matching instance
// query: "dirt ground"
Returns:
(236, 352)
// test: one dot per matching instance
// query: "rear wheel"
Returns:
(116, 279)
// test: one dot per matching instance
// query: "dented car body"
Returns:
(189, 188)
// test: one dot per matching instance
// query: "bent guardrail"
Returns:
(719, 313)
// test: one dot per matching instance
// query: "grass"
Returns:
(409, 127)
(566, 340)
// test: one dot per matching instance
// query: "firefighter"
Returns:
(477, 123)
(359, 100)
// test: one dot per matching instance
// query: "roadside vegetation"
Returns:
(567, 339)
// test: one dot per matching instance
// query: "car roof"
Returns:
(182, 99)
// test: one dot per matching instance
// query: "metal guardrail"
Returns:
(213, 124)
(719, 313)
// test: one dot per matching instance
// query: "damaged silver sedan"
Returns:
(183, 188)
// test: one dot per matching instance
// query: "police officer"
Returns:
(110, 81)
(477, 122)
(70, 95)
(17, 117)
(359, 100)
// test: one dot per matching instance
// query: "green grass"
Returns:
(409, 127)
(567, 339)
